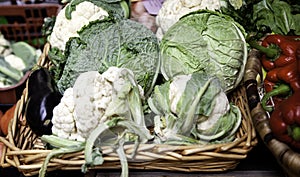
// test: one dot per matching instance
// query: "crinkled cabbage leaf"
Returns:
(205, 41)
(107, 43)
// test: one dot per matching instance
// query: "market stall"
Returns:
(151, 87)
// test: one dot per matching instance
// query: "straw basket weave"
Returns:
(23, 150)
(288, 159)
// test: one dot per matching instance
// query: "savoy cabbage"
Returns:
(105, 43)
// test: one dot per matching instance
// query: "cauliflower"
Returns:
(172, 10)
(63, 117)
(15, 62)
(77, 14)
(66, 28)
(193, 109)
(92, 100)
(5, 48)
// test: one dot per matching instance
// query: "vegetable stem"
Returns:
(282, 89)
(296, 133)
(123, 159)
(270, 52)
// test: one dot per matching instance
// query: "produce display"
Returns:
(113, 81)
(273, 30)
(16, 58)
(107, 84)
(273, 76)
(281, 85)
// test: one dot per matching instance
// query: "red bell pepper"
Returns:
(279, 60)
(285, 121)
(281, 67)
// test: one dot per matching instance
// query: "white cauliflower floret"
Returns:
(172, 10)
(92, 94)
(64, 28)
(218, 111)
(91, 101)
(15, 62)
(5, 48)
(63, 117)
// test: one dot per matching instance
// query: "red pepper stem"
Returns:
(269, 52)
(296, 133)
(282, 89)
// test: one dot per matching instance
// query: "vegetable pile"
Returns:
(274, 24)
(15, 60)
(112, 81)
(281, 85)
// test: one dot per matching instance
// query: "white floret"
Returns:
(15, 62)
(64, 28)
(5, 48)
(218, 111)
(63, 117)
(172, 10)
(92, 95)
(90, 102)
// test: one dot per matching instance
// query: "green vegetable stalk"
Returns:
(61, 146)
(8, 70)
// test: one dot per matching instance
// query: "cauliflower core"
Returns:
(64, 28)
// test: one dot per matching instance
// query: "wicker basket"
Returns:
(22, 149)
(288, 159)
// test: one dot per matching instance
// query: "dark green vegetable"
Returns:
(106, 43)
(266, 16)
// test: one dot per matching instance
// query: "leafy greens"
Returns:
(106, 43)
(267, 16)
(205, 41)
(193, 109)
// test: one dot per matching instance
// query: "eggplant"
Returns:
(43, 96)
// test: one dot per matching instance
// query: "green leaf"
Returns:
(105, 43)
(205, 41)
(277, 15)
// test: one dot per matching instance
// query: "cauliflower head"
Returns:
(92, 100)
(172, 10)
(63, 117)
(5, 46)
(64, 28)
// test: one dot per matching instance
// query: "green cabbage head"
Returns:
(205, 41)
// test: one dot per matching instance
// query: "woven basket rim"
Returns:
(213, 157)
